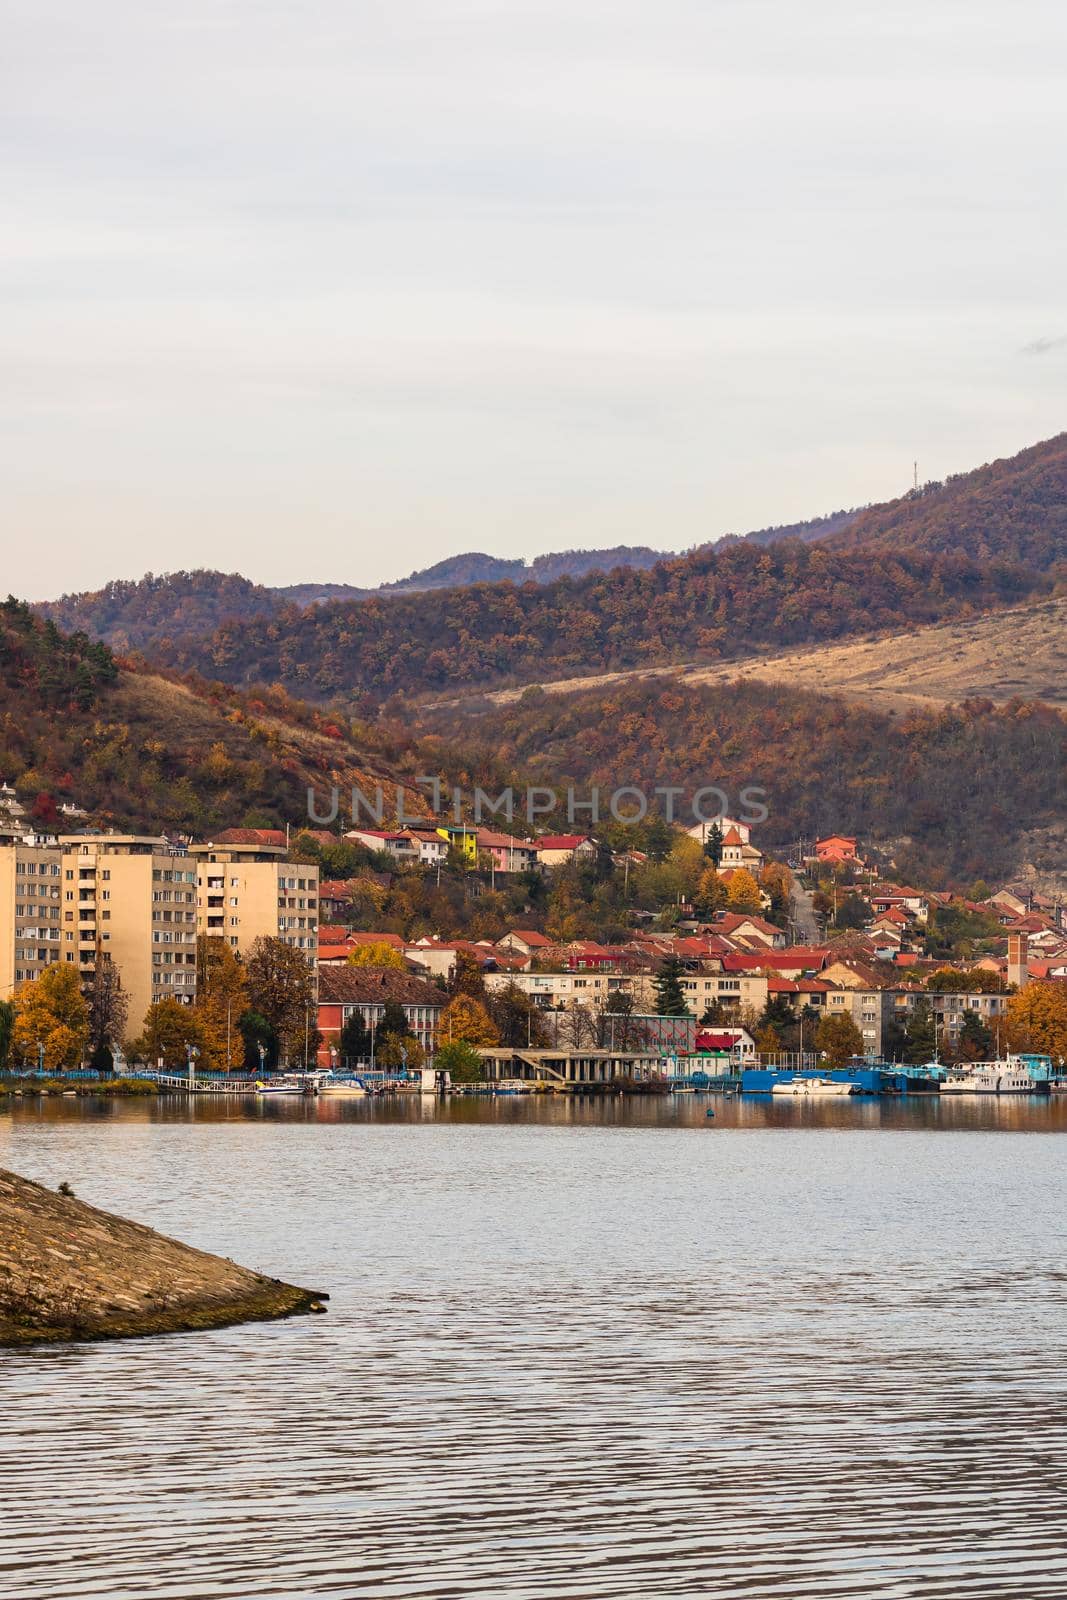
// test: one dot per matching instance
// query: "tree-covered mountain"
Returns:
(718, 602)
(142, 750)
(160, 610)
(955, 794)
(1011, 510)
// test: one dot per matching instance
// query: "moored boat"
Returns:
(812, 1086)
(992, 1077)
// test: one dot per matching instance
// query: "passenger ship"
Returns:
(993, 1077)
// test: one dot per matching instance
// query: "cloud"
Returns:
(1041, 347)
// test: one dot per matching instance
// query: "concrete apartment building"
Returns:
(130, 899)
(247, 889)
(30, 913)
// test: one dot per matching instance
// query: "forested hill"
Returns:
(715, 603)
(143, 751)
(957, 794)
(1012, 510)
(160, 610)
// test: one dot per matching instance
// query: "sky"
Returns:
(327, 291)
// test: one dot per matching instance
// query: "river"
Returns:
(575, 1349)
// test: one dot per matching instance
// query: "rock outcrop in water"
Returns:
(69, 1271)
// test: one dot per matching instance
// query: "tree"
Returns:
(460, 1060)
(742, 893)
(256, 1031)
(221, 998)
(377, 956)
(169, 1030)
(518, 1020)
(710, 893)
(400, 1050)
(767, 1040)
(51, 1012)
(713, 844)
(921, 1033)
(852, 912)
(7, 1027)
(355, 1039)
(467, 976)
(838, 1038)
(670, 996)
(109, 1010)
(281, 988)
(579, 1025)
(617, 1028)
(394, 1019)
(1037, 1020)
(714, 1014)
(466, 1018)
(975, 1041)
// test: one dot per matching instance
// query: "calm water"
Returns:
(573, 1351)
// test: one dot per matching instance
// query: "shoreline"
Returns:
(70, 1272)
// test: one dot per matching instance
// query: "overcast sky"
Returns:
(329, 289)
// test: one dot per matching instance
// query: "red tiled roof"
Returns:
(561, 841)
(268, 837)
(530, 936)
(366, 986)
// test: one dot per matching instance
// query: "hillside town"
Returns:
(265, 948)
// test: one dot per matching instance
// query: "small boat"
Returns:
(291, 1084)
(332, 1086)
(812, 1086)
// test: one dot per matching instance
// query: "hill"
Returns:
(954, 793)
(707, 606)
(1011, 510)
(157, 612)
(1019, 652)
(143, 750)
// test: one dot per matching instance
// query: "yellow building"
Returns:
(129, 899)
(247, 889)
(30, 922)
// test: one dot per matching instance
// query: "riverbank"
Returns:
(69, 1271)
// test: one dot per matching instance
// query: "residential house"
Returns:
(837, 850)
(503, 853)
(396, 842)
(752, 929)
(555, 850)
(526, 942)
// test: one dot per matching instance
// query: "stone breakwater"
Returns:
(69, 1271)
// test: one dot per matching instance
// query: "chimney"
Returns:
(1018, 959)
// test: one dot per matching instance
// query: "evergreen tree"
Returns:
(975, 1042)
(921, 1034)
(355, 1040)
(670, 996)
(713, 844)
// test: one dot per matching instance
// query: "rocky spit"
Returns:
(69, 1271)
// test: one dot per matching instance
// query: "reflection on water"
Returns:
(575, 1349)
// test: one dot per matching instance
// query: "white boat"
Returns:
(813, 1086)
(991, 1077)
(340, 1086)
(293, 1084)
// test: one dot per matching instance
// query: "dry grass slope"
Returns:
(1019, 653)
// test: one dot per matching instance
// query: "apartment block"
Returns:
(250, 890)
(30, 913)
(130, 899)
